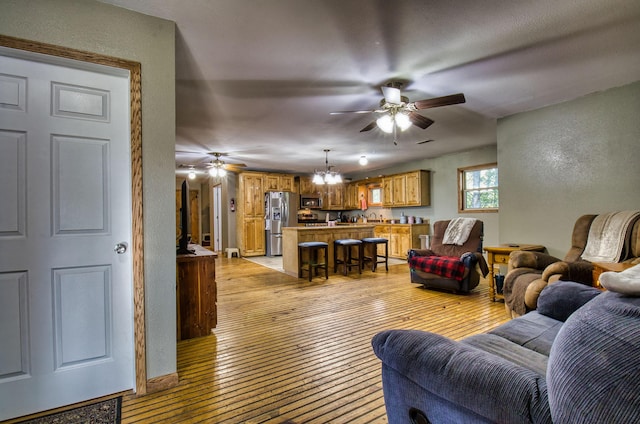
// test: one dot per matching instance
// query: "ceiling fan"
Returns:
(398, 112)
(215, 167)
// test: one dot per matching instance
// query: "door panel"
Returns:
(66, 317)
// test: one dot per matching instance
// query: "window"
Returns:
(375, 196)
(478, 188)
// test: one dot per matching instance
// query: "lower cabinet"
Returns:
(402, 237)
(196, 293)
(253, 237)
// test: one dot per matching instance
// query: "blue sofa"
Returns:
(533, 369)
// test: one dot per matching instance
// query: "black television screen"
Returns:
(183, 241)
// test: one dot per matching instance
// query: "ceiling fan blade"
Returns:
(439, 101)
(419, 120)
(392, 95)
(426, 141)
(340, 112)
(369, 127)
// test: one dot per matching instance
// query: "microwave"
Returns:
(310, 202)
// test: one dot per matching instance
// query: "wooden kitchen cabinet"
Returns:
(352, 196)
(279, 182)
(308, 188)
(333, 197)
(402, 237)
(407, 189)
(418, 188)
(196, 293)
(253, 243)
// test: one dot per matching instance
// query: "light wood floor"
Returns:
(289, 351)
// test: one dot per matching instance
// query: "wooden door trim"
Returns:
(135, 75)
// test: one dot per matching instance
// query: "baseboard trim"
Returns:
(162, 382)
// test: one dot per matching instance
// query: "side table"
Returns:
(600, 267)
(499, 255)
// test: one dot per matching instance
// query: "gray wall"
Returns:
(100, 28)
(566, 160)
(444, 189)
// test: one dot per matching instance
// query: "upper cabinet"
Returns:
(407, 189)
(352, 196)
(307, 187)
(279, 182)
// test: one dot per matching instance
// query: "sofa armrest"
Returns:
(461, 375)
(527, 259)
(580, 272)
(420, 252)
(561, 299)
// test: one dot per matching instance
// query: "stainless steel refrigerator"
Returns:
(280, 212)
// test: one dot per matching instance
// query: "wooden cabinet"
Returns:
(402, 237)
(352, 196)
(407, 189)
(333, 197)
(250, 219)
(253, 236)
(307, 187)
(279, 182)
(196, 293)
(399, 188)
(418, 188)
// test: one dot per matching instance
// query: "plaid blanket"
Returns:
(445, 266)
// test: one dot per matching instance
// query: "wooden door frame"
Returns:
(137, 241)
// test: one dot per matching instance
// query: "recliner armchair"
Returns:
(530, 272)
(459, 267)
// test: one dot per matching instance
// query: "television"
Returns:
(183, 240)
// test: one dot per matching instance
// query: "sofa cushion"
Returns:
(562, 298)
(444, 266)
(510, 351)
(533, 331)
(594, 365)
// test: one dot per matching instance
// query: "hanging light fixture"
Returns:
(192, 173)
(363, 160)
(216, 168)
(327, 176)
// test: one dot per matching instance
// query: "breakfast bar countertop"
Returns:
(291, 236)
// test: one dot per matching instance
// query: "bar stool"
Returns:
(348, 261)
(311, 248)
(375, 258)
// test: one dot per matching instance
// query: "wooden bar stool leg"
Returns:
(326, 263)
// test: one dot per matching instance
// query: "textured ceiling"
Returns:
(256, 79)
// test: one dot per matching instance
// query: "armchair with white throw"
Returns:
(454, 260)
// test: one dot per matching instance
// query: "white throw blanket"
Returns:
(458, 231)
(607, 236)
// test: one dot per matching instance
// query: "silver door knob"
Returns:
(120, 248)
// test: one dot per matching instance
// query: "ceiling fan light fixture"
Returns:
(403, 121)
(385, 123)
(217, 171)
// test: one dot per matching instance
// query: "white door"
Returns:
(66, 316)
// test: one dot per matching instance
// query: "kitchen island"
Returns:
(291, 236)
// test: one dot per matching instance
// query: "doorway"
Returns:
(217, 218)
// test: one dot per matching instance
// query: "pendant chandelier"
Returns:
(327, 176)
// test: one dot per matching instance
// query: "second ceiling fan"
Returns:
(398, 112)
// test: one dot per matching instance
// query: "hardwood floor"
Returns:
(289, 351)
